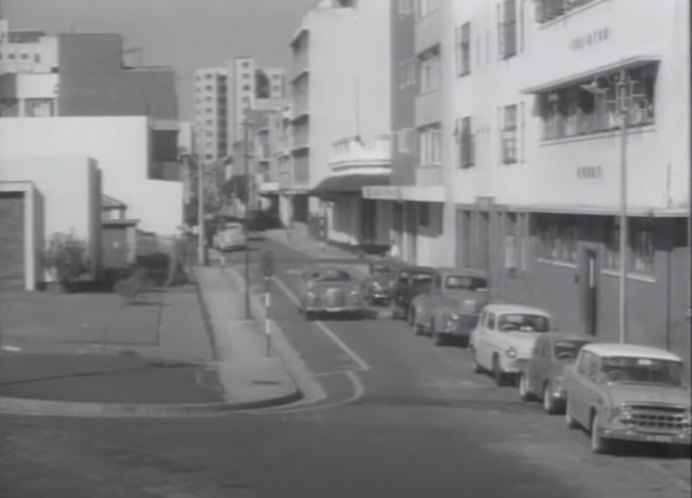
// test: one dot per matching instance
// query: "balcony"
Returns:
(428, 31)
(428, 108)
(301, 136)
(353, 154)
(429, 175)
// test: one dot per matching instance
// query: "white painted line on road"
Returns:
(362, 364)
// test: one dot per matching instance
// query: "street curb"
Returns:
(208, 325)
(40, 407)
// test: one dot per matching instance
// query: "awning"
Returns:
(428, 193)
(636, 211)
(348, 184)
(590, 74)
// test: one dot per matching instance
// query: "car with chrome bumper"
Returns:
(450, 306)
(330, 291)
(626, 392)
(378, 285)
(409, 282)
(504, 337)
(542, 374)
(231, 237)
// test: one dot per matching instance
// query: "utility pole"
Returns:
(623, 101)
(246, 157)
(200, 212)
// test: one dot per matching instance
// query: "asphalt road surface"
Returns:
(401, 418)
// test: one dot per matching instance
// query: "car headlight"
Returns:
(511, 352)
(622, 412)
(376, 285)
(454, 317)
(311, 295)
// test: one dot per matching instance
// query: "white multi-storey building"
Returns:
(534, 150)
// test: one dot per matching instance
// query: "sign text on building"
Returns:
(586, 172)
(591, 38)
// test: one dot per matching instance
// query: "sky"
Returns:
(184, 34)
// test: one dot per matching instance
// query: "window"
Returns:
(547, 10)
(405, 7)
(512, 244)
(246, 64)
(557, 236)
(640, 250)
(507, 28)
(246, 88)
(11, 56)
(37, 58)
(574, 111)
(209, 88)
(246, 76)
(425, 7)
(509, 134)
(246, 99)
(465, 143)
(404, 141)
(423, 214)
(429, 70)
(491, 321)
(462, 48)
(429, 142)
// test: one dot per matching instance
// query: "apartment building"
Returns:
(419, 195)
(537, 150)
(340, 86)
(222, 96)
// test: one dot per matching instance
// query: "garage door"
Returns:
(12, 241)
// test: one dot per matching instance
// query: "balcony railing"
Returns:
(352, 152)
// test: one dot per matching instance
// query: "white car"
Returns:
(504, 337)
(231, 237)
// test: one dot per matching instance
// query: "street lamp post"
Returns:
(246, 158)
(201, 232)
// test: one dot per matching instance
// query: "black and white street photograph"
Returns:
(345, 248)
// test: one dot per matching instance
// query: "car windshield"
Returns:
(384, 271)
(567, 350)
(232, 226)
(421, 278)
(523, 322)
(642, 371)
(465, 283)
(331, 276)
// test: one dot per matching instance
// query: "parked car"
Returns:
(231, 237)
(451, 304)
(542, 375)
(378, 285)
(504, 336)
(410, 281)
(628, 392)
(259, 220)
(331, 290)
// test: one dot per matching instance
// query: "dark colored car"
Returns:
(542, 374)
(378, 285)
(329, 290)
(409, 282)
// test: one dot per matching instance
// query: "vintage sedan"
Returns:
(330, 290)
(410, 281)
(542, 375)
(626, 392)
(451, 304)
(378, 285)
(231, 236)
(504, 337)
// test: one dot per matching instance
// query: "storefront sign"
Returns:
(592, 38)
(386, 193)
(588, 172)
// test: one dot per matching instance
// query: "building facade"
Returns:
(342, 49)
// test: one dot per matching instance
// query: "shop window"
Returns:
(557, 236)
(509, 134)
(640, 247)
(424, 214)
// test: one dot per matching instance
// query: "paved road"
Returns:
(401, 418)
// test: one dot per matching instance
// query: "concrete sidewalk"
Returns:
(247, 370)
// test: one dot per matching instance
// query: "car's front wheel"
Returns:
(599, 444)
(524, 391)
(550, 405)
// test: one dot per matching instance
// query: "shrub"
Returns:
(66, 256)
